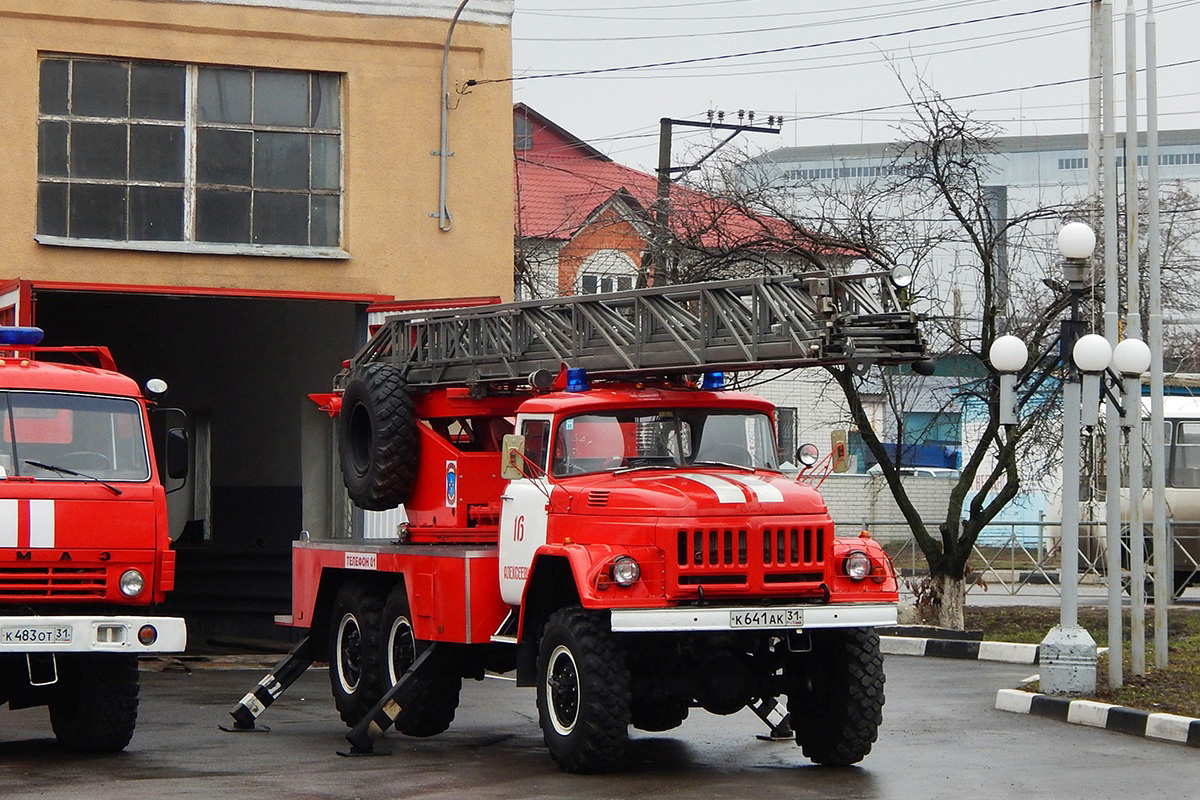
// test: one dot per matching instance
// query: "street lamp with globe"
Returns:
(1068, 653)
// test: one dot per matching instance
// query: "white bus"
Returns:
(1182, 437)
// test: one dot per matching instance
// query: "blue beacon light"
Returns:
(713, 380)
(577, 380)
(14, 335)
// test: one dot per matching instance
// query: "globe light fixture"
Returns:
(1008, 354)
(1092, 353)
(1131, 357)
(1076, 240)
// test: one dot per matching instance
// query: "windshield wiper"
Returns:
(65, 471)
(724, 464)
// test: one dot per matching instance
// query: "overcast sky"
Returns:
(835, 62)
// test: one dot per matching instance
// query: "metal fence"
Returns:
(1012, 556)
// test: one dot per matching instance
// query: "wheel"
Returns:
(355, 654)
(583, 692)
(377, 435)
(835, 695)
(95, 706)
(661, 714)
(432, 711)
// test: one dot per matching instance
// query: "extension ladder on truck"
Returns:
(786, 321)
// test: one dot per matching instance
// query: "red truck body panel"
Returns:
(453, 589)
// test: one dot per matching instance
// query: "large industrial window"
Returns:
(138, 151)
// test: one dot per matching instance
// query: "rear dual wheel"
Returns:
(432, 711)
(355, 663)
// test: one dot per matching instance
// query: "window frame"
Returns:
(191, 186)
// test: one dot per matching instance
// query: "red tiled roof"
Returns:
(561, 180)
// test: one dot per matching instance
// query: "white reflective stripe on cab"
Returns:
(726, 491)
(41, 523)
(8, 523)
(765, 492)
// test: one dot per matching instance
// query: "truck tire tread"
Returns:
(596, 740)
(431, 712)
(836, 698)
(377, 435)
(364, 602)
(95, 708)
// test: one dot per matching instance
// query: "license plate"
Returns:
(767, 618)
(36, 634)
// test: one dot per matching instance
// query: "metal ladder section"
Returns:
(777, 322)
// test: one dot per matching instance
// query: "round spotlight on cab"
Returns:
(132, 583)
(625, 571)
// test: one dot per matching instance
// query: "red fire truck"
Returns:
(84, 550)
(589, 507)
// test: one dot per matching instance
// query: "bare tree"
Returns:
(931, 204)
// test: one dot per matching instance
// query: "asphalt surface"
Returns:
(942, 738)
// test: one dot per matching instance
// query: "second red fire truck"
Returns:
(84, 550)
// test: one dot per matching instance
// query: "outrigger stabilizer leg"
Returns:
(258, 699)
(371, 727)
(772, 712)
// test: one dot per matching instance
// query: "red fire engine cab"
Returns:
(617, 532)
(84, 550)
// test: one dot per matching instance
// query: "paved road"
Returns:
(942, 739)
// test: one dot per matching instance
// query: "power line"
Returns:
(909, 10)
(644, 6)
(973, 95)
(793, 48)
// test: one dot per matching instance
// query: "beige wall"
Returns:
(390, 116)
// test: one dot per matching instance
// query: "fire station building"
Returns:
(219, 191)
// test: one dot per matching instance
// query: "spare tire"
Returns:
(377, 437)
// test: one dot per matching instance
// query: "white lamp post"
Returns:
(1068, 653)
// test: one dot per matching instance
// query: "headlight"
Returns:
(857, 565)
(625, 571)
(132, 583)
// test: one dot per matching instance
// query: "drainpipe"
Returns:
(443, 213)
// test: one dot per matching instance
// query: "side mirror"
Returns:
(512, 457)
(177, 453)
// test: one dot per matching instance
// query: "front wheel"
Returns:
(94, 708)
(835, 695)
(583, 692)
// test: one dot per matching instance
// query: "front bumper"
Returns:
(89, 634)
(723, 618)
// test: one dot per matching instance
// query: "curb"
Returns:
(1009, 652)
(1150, 725)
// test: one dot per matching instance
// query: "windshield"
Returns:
(98, 437)
(663, 437)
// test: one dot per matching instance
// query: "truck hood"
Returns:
(699, 492)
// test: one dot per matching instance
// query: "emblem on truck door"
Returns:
(451, 484)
